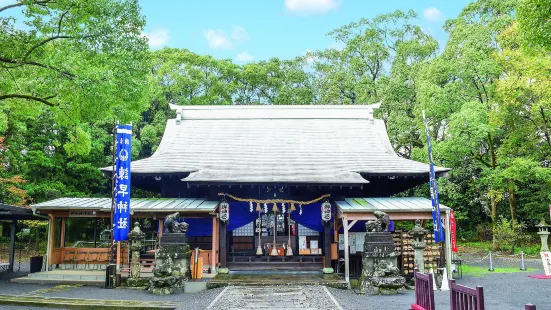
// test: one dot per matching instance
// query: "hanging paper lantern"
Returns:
(224, 211)
(326, 211)
(275, 208)
(258, 208)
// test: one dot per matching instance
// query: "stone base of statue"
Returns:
(172, 265)
(379, 272)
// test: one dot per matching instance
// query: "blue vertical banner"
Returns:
(436, 220)
(121, 219)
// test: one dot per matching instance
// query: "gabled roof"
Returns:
(319, 144)
(136, 204)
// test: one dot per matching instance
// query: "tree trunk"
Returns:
(512, 205)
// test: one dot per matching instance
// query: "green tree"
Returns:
(533, 16)
(82, 60)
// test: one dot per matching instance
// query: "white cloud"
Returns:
(158, 37)
(432, 14)
(243, 57)
(239, 34)
(219, 39)
(311, 7)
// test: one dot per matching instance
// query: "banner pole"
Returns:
(112, 243)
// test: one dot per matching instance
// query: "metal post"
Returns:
(491, 263)
(196, 263)
(12, 245)
(448, 246)
(522, 267)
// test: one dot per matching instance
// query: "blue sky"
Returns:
(250, 30)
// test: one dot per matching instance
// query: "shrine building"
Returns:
(272, 168)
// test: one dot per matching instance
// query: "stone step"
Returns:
(66, 276)
(57, 281)
(78, 303)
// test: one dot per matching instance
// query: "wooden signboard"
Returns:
(546, 259)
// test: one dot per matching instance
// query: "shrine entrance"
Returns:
(277, 235)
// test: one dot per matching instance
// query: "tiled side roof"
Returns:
(136, 204)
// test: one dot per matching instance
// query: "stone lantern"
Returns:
(419, 245)
(543, 231)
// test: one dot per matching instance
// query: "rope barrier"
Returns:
(275, 200)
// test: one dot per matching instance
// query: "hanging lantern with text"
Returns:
(224, 211)
(326, 211)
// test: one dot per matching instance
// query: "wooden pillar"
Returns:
(62, 243)
(50, 246)
(213, 246)
(346, 253)
(217, 249)
(12, 245)
(223, 245)
(161, 228)
(327, 244)
(118, 255)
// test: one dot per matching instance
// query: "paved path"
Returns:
(275, 297)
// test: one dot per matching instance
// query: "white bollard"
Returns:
(445, 285)
(431, 272)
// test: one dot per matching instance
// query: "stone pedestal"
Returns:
(379, 272)
(172, 265)
(136, 237)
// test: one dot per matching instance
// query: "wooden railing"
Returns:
(461, 297)
(466, 298)
(424, 294)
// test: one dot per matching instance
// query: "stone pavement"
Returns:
(275, 297)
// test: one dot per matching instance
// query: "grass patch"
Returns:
(476, 271)
(531, 249)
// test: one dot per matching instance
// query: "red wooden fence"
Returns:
(424, 294)
(466, 298)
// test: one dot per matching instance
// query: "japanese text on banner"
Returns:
(121, 220)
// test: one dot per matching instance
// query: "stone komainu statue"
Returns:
(380, 224)
(172, 226)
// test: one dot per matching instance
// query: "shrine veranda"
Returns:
(275, 166)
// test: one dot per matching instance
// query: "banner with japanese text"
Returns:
(436, 220)
(121, 220)
(453, 232)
